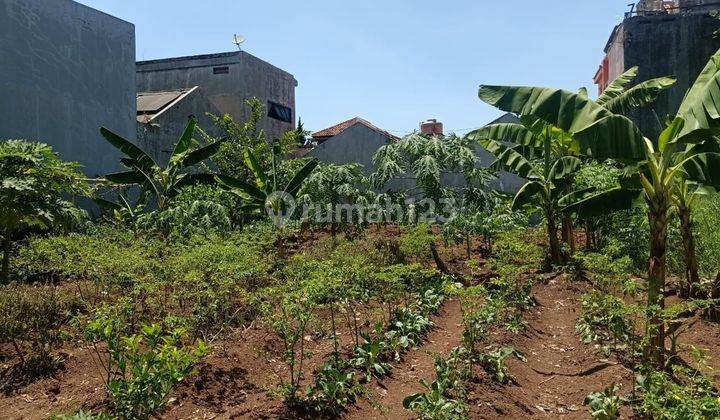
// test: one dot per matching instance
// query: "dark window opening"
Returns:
(279, 112)
(221, 70)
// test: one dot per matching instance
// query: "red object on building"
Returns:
(431, 127)
(602, 77)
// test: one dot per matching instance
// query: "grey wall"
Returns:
(160, 135)
(665, 45)
(67, 69)
(247, 77)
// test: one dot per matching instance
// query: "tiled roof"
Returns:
(339, 128)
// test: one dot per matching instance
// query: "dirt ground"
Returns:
(240, 378)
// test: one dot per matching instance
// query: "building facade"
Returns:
(226, 81)
(66, 70)
(662, 38)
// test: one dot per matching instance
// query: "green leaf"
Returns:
(198, 155)
(563, 167)
(296, 182)
(142, 159)
(242, 188)
(566, 110)
(638, 96)
(613, 137)
(617, 86)
(127, 177)
(699, 109)
(185, 140)
(526, 194)
(670, 133)
(506, 132)
(509, 159)
(703, 168)
(252, 164)
(604, 202)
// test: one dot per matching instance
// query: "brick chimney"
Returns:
(431, 127)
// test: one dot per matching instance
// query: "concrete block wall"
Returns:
(67, 69)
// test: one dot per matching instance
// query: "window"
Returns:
(279, 112)
(221, 70)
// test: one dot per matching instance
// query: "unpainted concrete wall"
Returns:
(662, 45)
(247, 77)
(159, 137)
(66, 69)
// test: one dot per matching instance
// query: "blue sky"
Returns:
(394, 63)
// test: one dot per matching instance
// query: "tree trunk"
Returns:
(657, 215)
(555, 249)
(7, 245)
(567, 233)
(438, 261)
(692, 278)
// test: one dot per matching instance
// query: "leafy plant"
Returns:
(370, 355)
(164, 183)
(494, 363)
(606, 404)
(604, 321)
(685, 150)
(33, 190)
(142, 369)
(267, 193)
(335, 387)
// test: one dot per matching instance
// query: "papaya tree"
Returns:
(164, 183)
(602, 134)
(33, 192)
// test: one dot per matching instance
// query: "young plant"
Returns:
(494, 363)
(142, 369)
(606, 404)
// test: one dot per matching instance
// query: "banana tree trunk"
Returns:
(567, 233)
(555, 249)
(692, 278)
(657, 215)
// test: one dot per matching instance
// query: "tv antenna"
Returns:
(237, 40)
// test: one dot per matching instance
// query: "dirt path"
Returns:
(385, 399)
(560, 370)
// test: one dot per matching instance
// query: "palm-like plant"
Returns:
(679, 152)
(163, 183)
(329, 185)
(34, 183)
(548, 180)
(426, 159)
(266, 193)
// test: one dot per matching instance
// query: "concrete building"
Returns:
(662, 38)
(162, 117)
(66, 70)
(226, 81)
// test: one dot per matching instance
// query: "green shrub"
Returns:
(143, 368)
(690, 396)
(606, 321)
(605, 405)
(415, 243)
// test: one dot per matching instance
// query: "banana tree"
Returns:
(547, 181)
(266, 194)
(164, 183)
(602, 134)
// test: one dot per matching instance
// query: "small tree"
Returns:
(163, 183)
(34, 184)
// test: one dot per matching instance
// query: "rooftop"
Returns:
(339, 128)
(151, 104)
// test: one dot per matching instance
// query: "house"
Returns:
(662, 38)
(66, 70)
(225, 81)
(357, 140)
(353, 141)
